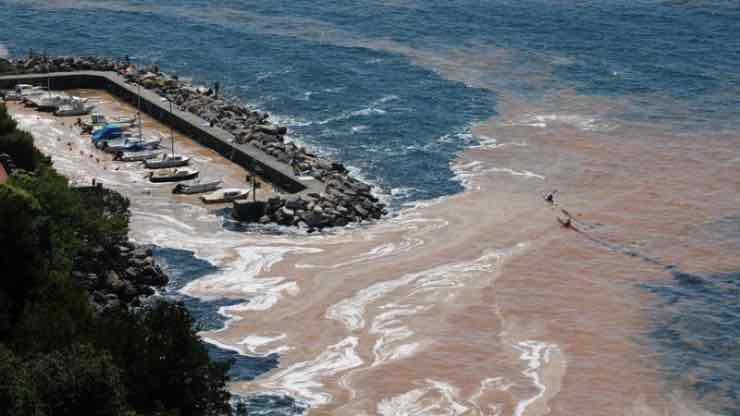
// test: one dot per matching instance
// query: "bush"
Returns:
(166, 365)
(21, 259)
(74, 381)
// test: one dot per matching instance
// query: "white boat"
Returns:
(173, 175)
(98, 120)
(135, 156)
(225, 195)
(76, 107)
(50, 101)
(196, 188)
(171, 160)
(167, 161)
(27, 90)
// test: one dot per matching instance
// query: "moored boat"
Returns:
(130, 144)
(135, 156)
(196, 188)
(76, 107)
(173, 175)
(167, 161)
(225, 195)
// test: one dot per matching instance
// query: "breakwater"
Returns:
(321, 193)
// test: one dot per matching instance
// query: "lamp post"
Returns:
(255, 171)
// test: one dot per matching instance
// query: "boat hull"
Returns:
(198, 188)
(173, 178)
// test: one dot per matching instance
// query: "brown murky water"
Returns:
(476, 304)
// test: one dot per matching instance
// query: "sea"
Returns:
(470, 298)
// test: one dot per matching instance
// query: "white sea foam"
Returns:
(579, 121)
(535, 353)
(436, 398)
(255, 344)
(350, 311)
(302, 378)
(391, 331)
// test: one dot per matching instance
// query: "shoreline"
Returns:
(326, 195)
(377, 281)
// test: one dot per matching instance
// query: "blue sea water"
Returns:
(392, 89)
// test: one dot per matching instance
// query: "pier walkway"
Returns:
(255, 160)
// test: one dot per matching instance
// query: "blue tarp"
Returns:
(110, 131)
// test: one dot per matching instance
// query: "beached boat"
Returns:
(196, 188)
(98, 121)
(130, 144)
(225, 195)
(135, 156)
(173, 175)
(167, 161)
(49, 102)
(171, 160)
(76, 107)
(108, 132)
(25, 92)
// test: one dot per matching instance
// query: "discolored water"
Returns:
(471, 299)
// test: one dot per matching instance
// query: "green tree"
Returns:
(21, 258)
(166, 365)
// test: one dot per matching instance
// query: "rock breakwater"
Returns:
(345, 199)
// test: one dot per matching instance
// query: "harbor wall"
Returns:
(279, 174)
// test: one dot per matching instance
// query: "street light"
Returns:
(256, 170)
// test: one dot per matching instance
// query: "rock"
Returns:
(362, 212)
(264, 219)
(127, 292)
(113, 282)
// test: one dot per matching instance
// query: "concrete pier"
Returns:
(278, 173)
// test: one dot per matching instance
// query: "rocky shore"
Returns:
(345, 200)
(133, 277)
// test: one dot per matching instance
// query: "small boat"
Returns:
(130, 144)
(108, 132)
(98, 121)
(76, 107)
(49, 102)
(225, 195)
(196, 188)
(173, 175)
(167, 161)
(25, 92)
(122, 156)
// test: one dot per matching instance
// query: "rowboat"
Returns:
(225, 195)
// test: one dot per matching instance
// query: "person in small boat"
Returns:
(550, 196)
(565, 222)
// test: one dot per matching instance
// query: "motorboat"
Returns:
(76, 107)
(130, 144)
(173, 175)
(225, 195)
(167, 161)
(122, 156)
(196, 188)
(98, 121)
(108, 132)
(49, 102)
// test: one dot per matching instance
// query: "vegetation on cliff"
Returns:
(58, 355)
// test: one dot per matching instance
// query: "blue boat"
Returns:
(108, 132)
